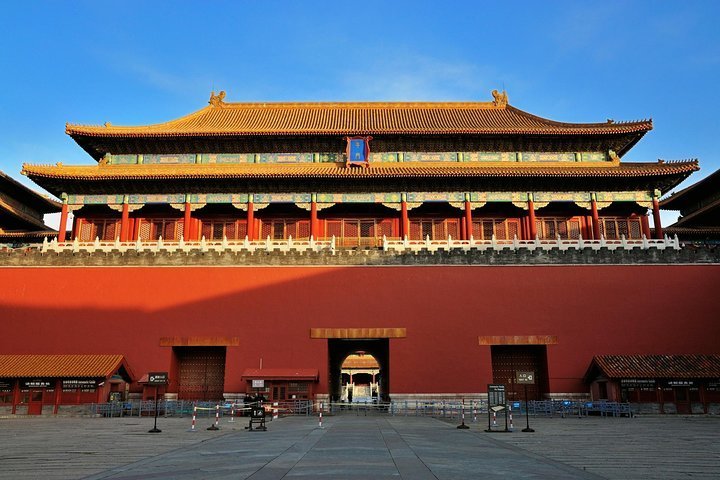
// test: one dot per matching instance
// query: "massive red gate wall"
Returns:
(270, 310)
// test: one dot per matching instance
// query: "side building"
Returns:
(22, 212)
(699, 207)
(447, 245)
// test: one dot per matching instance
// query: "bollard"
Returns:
(320, 416)
(232, 413)
(214, 426)
(192, 427)
(474, 412)
(494, 423)
(275, 411)
(511, 420)
(462, 426)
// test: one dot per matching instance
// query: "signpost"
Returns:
(496, 403)
(525, 379)
(157, 379)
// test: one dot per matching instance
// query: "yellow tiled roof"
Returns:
(55, 366)
(336, 170)
(358, 118)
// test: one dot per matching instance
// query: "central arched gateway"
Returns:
(343, 342)
(340, 349)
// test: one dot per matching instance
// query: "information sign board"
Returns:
(158, 378)
(496, 395)
(258, 384)
(527, 378)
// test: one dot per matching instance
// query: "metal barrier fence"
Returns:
(182, 408)
(451, 409)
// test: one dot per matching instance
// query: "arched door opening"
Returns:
(359, 370)
(360, 375)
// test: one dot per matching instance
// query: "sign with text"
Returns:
(158, 378)
(527, 378)
(258, 383)
(36, 383)
(496, 395)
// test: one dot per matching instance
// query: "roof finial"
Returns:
(500, 99)
(217, 100)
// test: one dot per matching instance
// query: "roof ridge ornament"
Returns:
(217, 100)
(500, 99)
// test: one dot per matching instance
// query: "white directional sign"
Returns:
(158, 378)
(527, 378)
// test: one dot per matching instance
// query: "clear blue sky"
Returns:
(131, 62)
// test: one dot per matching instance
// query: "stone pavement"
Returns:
(349, 446)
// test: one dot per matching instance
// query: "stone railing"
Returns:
(329, 246)
(537, 244)
(182, 246)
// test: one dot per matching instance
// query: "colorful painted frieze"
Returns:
(157, 198)
(281, 197)
(547, 157)
(431, 157)
(561, 196)
(205, 198)
(358, 198)
(123, 159)
(95, 199)
(284, 158)
(435, 196)
(593, 157)
(227, 158)
(488, 157)
(154, 159)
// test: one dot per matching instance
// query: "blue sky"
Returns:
(144, 62)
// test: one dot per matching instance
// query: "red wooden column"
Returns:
(62, 231)
(656, 218)
(187, 220)
(531, 217)
(124, 220)
(645, 226)
(404, 221)
(468, 218)
(15, 395)
(250, 218)
(313, 217)
(595, 218)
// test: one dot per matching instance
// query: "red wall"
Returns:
(591, 309)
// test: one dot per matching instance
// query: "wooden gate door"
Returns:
(201, 372)
(682, 399)
(35, 402)
(507, 360)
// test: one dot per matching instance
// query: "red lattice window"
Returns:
(549, 228)
(612, 228)
(358, 232)
(283, 228)
(151, 229)
(502, 228)
(230, 229)
(105, 229)
(435, 228)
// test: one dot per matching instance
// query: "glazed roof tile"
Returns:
(659, 366)
(358, 118)
(334, 170)
(56, 366)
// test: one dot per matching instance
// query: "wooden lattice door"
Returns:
(201, 372)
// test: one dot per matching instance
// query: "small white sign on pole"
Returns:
(258, 384)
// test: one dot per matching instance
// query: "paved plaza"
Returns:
(350, 446)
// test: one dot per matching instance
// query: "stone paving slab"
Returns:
(663, 447)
